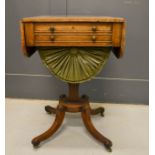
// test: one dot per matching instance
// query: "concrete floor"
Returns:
(125, 125)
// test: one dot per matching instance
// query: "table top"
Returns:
(73, 31)
(72, 19)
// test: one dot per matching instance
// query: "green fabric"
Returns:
(75, 64)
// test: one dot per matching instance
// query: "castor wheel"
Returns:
(96, 111)
(102, 112)
(108, 146)
(109, 149)
(35, 143)
(50, 110)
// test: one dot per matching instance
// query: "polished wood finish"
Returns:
(73, 92)
(73, 31)
(48, 32)
(55, 126)
(72, 19)
(73, 103)
(72, 27)
(90, 127)
(29, 27)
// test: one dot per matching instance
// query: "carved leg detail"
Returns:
(50, 110)
(96, 111)
(57, 123)
(90, 127)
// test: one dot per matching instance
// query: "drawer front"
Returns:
(72, 27)
(73, 34)
(71, 37)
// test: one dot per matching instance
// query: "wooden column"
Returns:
(73, 94)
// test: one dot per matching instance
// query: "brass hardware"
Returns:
(52, 38)
(94, 28)
(93, 38)
(52, 29)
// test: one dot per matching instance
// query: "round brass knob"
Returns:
(52, 29)
(52, 38)
(94, 28)
(93, 38)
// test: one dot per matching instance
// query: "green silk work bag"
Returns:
(75, 64)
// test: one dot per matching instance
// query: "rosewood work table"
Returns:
(74, 49)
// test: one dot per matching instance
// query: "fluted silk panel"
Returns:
(75, 64)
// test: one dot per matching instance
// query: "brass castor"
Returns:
(50, 110)
(35, 143)
(108, 145)
(96, 111)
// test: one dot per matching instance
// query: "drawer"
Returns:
(73, 40)
(72, 37)
(72, 34)
(70, 31)
(72, 27)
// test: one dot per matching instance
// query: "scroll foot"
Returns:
(50, 110)
(96, 111)
(57, 123)
(35, 143)
(90, 127)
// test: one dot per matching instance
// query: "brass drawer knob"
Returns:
(94, 28)
(52, 29)
(93, 38)
(52, 38)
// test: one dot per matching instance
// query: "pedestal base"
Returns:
(67, 105)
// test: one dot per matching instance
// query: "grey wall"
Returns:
(123, 80)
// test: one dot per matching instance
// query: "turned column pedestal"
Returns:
(73, 103)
